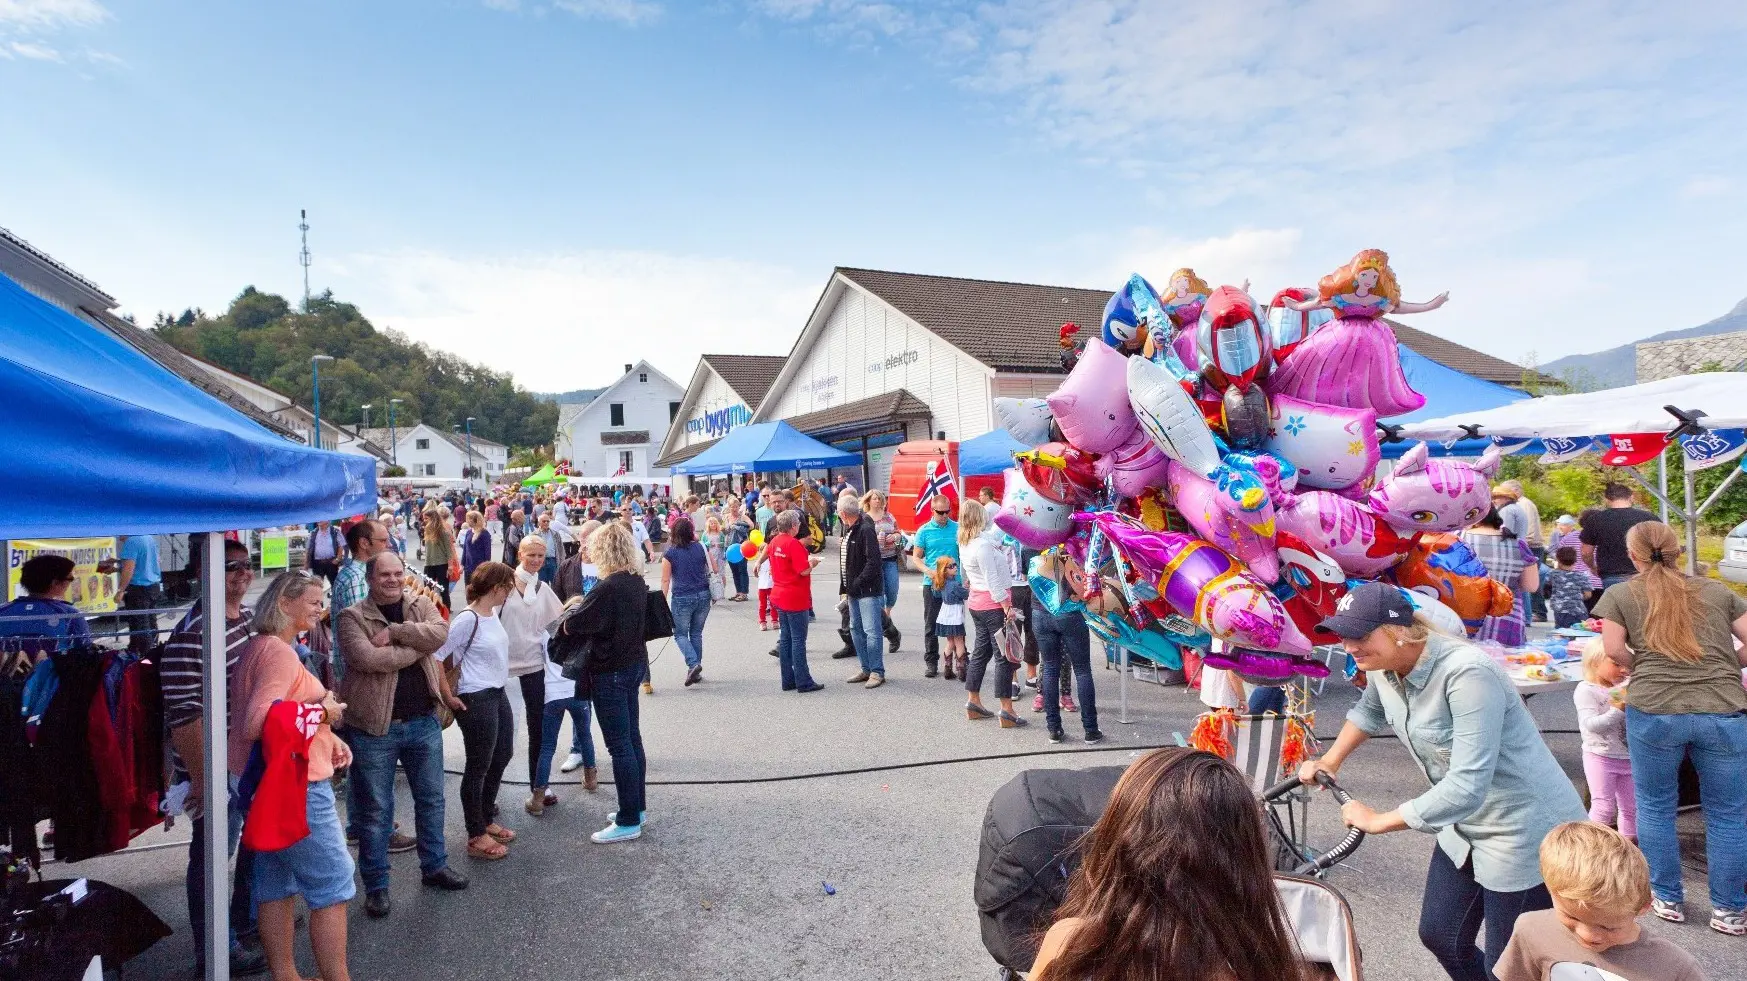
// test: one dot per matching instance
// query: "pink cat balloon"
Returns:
(1032, 519)
(1426, 495)
(1333, 448)
(1344, 530)
(1203, 584)
(1235, 515)
(1091, 407)
(1135, 466)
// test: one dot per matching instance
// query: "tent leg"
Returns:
(1662, 483)
(1123, 684)
(214, 739)
(1690, 516)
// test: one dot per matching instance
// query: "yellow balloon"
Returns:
(757, 537)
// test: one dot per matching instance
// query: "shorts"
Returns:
(318, 868)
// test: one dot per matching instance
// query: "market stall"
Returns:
(83, 410)
(765, 448)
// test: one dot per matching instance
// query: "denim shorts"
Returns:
(318, 868)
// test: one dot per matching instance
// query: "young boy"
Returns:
(1600, 885)
(1567, 589)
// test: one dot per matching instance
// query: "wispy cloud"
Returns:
(629, 12)
(51, 14)
(564, 321)
(1706, 187)
(34, 51)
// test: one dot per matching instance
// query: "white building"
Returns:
(427, 451)
(623, 429)
(725, 390)
(299, 419)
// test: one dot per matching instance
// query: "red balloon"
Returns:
(748, 549)
(1060, 472)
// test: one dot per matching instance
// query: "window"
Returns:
(625, 461)
(617, 409)
(430, 468)
(421, 444)
(672, 411)
(643, 376)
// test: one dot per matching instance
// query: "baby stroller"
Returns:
(1031, 832)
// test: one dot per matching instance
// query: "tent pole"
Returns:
(1123, 682)
(1690, 516)
(214, 739)
(1662, 482)
(1641, 482)
(1706, 506)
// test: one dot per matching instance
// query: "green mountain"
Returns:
(263, 338)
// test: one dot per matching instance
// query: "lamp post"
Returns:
(470, 447)
(393, 444)
(315, 361)
(365, 408)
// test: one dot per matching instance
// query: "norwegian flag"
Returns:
(938, 482)
(619, 472)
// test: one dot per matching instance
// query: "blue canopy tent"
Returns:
(100, 439)
(1447, 392)
(766, 447)
(992, 452)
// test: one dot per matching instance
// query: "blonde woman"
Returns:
(1676, 634)
(988, 573)
(439, 548)
(475, 543)
(1496, 789)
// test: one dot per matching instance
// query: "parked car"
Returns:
(1733, 565)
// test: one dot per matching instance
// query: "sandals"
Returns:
(495, 852)
(976, 712)
(500, 832)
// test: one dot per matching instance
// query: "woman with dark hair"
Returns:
(1676, 634)
(480, 647)
(685, 578)
(1176, 882)
(1507, 560)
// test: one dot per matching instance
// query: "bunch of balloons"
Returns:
(1214, 460)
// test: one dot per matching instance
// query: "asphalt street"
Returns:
(864, 876)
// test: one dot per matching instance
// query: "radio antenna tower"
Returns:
(303, 257)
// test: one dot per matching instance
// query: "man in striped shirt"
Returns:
(179, 671)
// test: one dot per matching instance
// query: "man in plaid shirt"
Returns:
(363, 540)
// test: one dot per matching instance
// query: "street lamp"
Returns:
(366, 407)
(470, 447)
(393, 444)
(315, 361)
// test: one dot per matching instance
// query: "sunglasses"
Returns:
(236, 565)
(942, 511)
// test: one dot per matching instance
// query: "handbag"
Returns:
(1011, 640)
(452, 675)
(657, 617)
(454, 568)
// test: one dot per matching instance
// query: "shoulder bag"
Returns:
(445, 714)
(657, 617)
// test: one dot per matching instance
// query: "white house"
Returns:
(624, 428)
(427, 451)
(283, 410)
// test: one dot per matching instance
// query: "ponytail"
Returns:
(1669, 595)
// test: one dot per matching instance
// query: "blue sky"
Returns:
(555, 187)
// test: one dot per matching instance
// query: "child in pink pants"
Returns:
(1607, 765)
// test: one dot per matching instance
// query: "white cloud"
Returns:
(1265, 256)
(1707, 187)
(629, 12)
(34, 51)
(51, 14)
(559, 322)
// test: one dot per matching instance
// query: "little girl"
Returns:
(949, 623)
(765, 585)
(1606, 763)
(716, 546)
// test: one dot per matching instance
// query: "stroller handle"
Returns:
(1347, 845)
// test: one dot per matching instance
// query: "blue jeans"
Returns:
(1607, 581)
(1718, 746)
(549, 570)
(1452, 911)
(317, 867)
(1064, 637)
(867, 618)
(417, 745)
(738, 571)
(242, 907)
(581, 741)
(690, 610)
(889, 579)
(615, 706)
(791, 648)
(1265, 699)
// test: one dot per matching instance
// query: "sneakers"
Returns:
(376, 904)
(1730, 922)
(856, 678)
(571, 762)
(1094, 736)
(1672, 912)
(617, 832)
(1068, 705)
(694, 674)
(1056, 735)
(1031, 682)
(875, 680)
(642, 817)
(1037, 702)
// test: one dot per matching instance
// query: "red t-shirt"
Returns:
(279, 814)
(791, 586)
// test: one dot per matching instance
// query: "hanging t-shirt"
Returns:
(279, 813)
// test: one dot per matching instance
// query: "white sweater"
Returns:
(1603, 725)
(527, 616)
(986, 568)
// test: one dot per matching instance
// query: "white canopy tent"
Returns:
(1676, 406)
(625, 480)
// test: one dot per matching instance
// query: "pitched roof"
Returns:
(53, 263)
(1016, 326)
(1007, 326)
(895, 406)
(749, 375)
(685, 453)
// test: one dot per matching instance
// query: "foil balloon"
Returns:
(1243, 414)
(1061, 473)
(1125, 320)
(1170, 417)
(1032, 519)
(1436, 613)
(1028, 421)
(1233, 511)
(1091, 407)
(1135, 466)
(1278, 476)
(1287, 327)
(1266, 667)
(1310, 585)
(1234, 348)
(1332, 447)
(1344, 530)
(1204, 585)
(1148, 642)
(1443, 567)
(1427, 495)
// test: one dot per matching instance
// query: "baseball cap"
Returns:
(1368, 607)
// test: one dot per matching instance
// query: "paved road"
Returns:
(728, 880)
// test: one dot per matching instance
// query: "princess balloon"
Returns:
(1353, 362)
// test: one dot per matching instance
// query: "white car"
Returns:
(1733, 566)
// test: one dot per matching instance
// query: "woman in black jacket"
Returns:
(611, 617)
(864, 588)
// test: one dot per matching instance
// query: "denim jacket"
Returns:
(1496, 788)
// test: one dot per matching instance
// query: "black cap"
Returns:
(1368, 607)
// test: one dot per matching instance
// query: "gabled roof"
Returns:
(749, 375)
(380, 436)
(896, 406)
(604, 398)
(55, 267)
